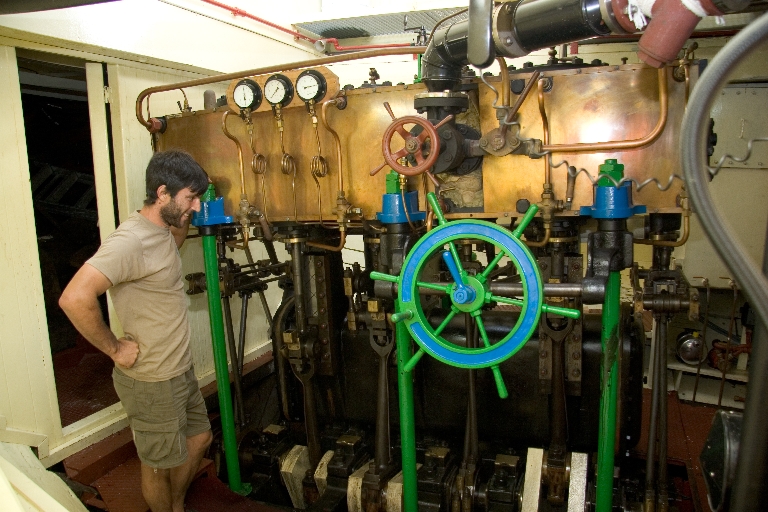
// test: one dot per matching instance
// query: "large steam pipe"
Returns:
(518, 28)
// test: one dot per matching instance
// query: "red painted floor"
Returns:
(688, 428)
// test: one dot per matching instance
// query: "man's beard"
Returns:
(172, 214)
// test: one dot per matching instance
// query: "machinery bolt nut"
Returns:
(543, 373)
(543, 354)
(576, 355)
(577, 266)
(508, 7)
(483, 142)
(576, 373)
(324, 341)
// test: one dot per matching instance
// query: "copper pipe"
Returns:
(670, 243)
(412, 50)
(626, 144)
(545, 127)
(519, 103)
(434, 29)
(333, 248)
(239, 151)
(505, 89)
(324, 120)
(686, 229)
(405, 209)
(544, 241)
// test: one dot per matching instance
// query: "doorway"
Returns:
(56, 123)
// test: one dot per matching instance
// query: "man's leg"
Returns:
(156, 488)
(181, 476)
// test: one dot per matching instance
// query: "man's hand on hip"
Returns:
(127, 352)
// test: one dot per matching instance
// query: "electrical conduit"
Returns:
(407, 421)
(220, 363)
(608, 399)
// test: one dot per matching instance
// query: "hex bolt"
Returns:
(577, 355)
(576, 373)
(543, 373)
(543, 354)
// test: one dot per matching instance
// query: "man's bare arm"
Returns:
(80, 302)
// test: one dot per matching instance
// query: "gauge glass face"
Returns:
(307, 87)
(244, 96)
(275, 91)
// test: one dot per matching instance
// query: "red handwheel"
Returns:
(414, 144)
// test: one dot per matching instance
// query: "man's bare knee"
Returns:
(156, 488)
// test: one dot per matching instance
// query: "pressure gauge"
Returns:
(278, 90)
(247, 94)
(311, 85)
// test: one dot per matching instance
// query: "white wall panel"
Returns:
(27, 389)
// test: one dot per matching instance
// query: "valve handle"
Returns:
(413, 144)
(469, 294)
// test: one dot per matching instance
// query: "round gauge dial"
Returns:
(247, 94)
(311, 85)
(278, 90)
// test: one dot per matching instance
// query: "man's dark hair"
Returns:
(176, 170)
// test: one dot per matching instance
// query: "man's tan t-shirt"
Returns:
(143, 263)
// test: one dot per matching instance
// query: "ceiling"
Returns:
(17, 6)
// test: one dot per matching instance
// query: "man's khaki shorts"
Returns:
(162, 416)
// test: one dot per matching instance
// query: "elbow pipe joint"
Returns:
(518, 28)
(671, 25)
(444, 57)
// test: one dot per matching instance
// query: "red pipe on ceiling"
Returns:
(298, 35)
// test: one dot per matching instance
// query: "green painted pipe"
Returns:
(407, 421)
(220, 363)
(609, 395)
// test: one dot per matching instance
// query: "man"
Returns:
(140, 265)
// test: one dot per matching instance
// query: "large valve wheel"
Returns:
(469, 294)
(414, 144)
